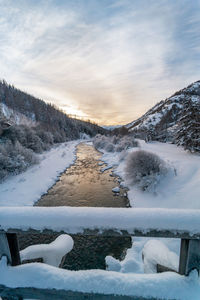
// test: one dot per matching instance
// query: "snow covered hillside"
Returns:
(162, 121)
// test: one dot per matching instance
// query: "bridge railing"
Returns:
(166, 223)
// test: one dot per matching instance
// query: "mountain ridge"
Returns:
(161, 122)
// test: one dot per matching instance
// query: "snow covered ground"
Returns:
(26, 188)
(180, 189)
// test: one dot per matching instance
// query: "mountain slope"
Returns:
(22, 108)
(163, 121)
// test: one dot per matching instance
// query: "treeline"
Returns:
(188, 127)
(185, 132)
(49, 117)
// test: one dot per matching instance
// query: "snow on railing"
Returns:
(182, 223)
(155, 222)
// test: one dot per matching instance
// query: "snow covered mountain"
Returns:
(163, 120)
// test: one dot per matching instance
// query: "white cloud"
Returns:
(110, 70)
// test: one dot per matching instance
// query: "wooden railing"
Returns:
(166, 223)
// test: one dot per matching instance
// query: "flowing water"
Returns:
(87, 183)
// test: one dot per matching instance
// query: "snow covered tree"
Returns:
(188, 133)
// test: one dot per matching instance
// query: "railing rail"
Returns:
(156, 222)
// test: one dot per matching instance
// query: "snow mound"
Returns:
(166, 285)
(155, 252)
(52, 253)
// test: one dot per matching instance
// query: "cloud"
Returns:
(106, 60)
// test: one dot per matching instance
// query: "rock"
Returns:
(116, 189)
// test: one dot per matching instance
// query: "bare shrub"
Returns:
(100, 141)
(144, 169)
(115, 139)
(119, 148)
(123, 155)
(119, 143)
(126, 142)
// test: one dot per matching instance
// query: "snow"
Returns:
(26, 188)
(195, 98)
(180, 189)
(155, 252)
(173, 206)
(153, 116)
(52, 253)
(111, 127)
(17, 117)
(145, 253)
(171, 285)
(76, 219)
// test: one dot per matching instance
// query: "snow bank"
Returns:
(168, 285)
(26, 188)
(179, 189)
(145, 253)
(76, 219)
(155, 252)
(52, 253)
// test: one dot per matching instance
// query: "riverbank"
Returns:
(27, 188)
(179, 189)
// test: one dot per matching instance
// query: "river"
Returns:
(86, 183)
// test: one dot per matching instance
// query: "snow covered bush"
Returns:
(144, 169)
(115, 139)
(100, 141)
(126, 142)
(123, 155)
(109, 147)
(14, 158)
(114, 143)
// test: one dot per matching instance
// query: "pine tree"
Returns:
(188, 134)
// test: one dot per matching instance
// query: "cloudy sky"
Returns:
(104, 60)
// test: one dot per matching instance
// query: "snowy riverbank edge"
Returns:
(26, 188)
(179, 189)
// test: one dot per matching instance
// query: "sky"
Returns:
(104, 60)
